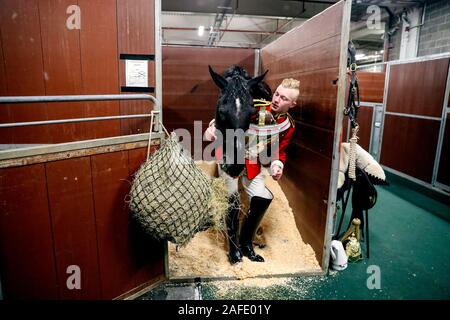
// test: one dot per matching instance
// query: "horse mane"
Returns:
(261, 91)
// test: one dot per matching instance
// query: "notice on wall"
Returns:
(136, 73)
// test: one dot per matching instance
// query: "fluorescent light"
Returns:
(201, 30)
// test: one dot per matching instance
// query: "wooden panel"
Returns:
(27, 268)
(148, 255)
(371, 86)
(365, 115)
(444, 167)
(62, 65)
(6, 135)
(322, 26)
(23, 67)
(110, 186)
(189, 93)
(319, 56)
(313, 138)
(100, 64)
(317, 100)
(136, 35)
(345, 133)
(136, 23)
(418, 87)
(306, 191)
(409, 145)
(309, 53)
(3, 82)
(72, 210)
(124, 264)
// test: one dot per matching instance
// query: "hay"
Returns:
(285, 251)
(172, 199)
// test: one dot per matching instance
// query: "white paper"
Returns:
(136, 73)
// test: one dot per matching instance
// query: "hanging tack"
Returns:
(352, 155)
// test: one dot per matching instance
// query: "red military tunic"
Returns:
(287, 128)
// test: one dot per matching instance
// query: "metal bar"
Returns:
(415, 180)
(208, 278)
(340, 103)
(257, 62)
(370, 104)
(39, 123)
(76, 145)
(226, 30)
(70, 98)
(385, 95)
(372, 124)
(363, 66)
(141, 289)
(408, 115)
(443, 119)
(158, 64)
(442, 186)
(179, 13)
(21, 145)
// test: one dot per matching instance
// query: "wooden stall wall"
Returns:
(413, 114)
(72, 212)
(189, 94)
(311, 54)
(371, 86)
(42, 55)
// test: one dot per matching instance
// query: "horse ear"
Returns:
(256, 80)
(220, 81)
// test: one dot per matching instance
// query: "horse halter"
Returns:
(353, 103)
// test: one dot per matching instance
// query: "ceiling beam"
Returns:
(226, 30)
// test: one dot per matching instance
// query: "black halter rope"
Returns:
(353, 102)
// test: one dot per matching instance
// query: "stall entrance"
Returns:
(297, 228)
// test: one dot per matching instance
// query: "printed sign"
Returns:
(136, 73)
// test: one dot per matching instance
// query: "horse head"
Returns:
(235, 109)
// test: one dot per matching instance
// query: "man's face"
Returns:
(283, 99)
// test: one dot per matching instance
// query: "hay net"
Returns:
(172, 199)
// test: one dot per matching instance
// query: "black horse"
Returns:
(234, 111)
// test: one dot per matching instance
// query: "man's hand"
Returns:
(277, 172)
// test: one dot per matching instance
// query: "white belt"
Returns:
(269, 129)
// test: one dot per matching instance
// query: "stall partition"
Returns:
(314, 53)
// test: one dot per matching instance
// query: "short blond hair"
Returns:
(294, 84)
(290, 83)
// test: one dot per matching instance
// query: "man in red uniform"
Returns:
(284, 98)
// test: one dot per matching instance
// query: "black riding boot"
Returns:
(235, 254)
(258, 207)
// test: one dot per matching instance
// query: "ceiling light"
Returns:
(201, 30)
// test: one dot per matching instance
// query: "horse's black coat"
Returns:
(235, 108)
